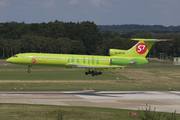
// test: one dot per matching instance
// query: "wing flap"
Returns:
(86, 66)
(72, 64)
(90, 66)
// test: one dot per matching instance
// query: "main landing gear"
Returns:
(93, 72)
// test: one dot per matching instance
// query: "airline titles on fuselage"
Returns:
(69, 60)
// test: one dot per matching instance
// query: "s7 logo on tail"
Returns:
(141, 48)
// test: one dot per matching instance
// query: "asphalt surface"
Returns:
(164, 101)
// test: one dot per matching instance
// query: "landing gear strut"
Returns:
(93, 72)
(29, 69)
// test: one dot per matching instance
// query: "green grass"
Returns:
(49, 112)
(161, 75)
(61, 74)
(153, 76)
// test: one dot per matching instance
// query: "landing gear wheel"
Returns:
(86, 73)
(93, 74)
(100, 73)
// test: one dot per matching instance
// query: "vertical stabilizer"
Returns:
(142, 48)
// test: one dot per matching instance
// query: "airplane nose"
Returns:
(8, 60)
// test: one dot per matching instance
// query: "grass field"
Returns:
(157, 75)
(47, 112)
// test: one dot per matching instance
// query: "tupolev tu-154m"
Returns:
(94, 64)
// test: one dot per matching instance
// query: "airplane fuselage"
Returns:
(59, 60)
(118, 58)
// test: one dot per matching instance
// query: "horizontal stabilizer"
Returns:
(153, 40)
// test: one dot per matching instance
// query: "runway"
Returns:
(164, 101)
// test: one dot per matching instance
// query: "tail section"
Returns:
(140, 50)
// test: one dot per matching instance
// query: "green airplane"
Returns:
(94, 64)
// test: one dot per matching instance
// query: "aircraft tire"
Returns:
(100, 73)
(93, 74)
(28, 71)
(86, 73)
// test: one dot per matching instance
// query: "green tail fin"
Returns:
(140, 50)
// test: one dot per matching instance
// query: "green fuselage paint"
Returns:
(117, 59)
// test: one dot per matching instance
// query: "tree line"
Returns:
(75, 38)
(137, 28)
(52, 37)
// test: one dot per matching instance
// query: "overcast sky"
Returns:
(102, 12)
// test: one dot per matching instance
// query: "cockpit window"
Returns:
(15, 56)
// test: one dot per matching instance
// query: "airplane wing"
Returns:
(90, 66)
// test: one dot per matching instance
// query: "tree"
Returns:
(107, 35)
(4, 46)
(143, 34)
(14, 46)
(63, 46)
(77, 47)
(90, 35)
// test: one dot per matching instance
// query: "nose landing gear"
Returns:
(93, 72)
(28, 69)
